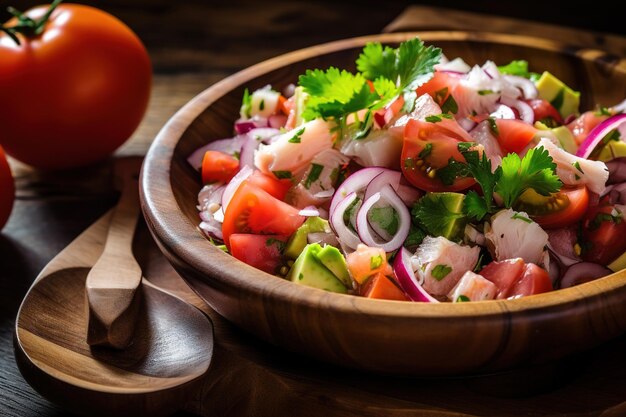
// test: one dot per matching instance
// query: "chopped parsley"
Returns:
(450, 105)
(438, 117)
(428, 148)
(386, 218)
(282, 175)
(493, 126)
(440, 271)
(603, 111)
(246, 104)
(577, 166)
(415, 237)
(314, 175)
(297, 137)
(434, 216)
(462, 299)
(518, 216)
(262, 105)
(376, 262)
(485, 92)
(519, 68)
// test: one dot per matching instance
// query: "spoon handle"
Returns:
(111, 286)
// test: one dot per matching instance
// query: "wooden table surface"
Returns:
(197, 44)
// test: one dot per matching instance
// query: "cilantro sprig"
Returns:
(384, 73)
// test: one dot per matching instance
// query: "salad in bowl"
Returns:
(420, 178)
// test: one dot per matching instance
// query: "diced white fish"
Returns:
(424, 106)
(381, 147)
(263, 103)
(441, 263)
(513, 234)
(473, 287)
(482, 135)
(293, 151)
(573, 170)
(318, 181)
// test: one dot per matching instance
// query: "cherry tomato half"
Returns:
(560, 209)
(426, 148)
(75, 93)
(603, 231)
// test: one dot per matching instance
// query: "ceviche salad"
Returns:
(420, 178)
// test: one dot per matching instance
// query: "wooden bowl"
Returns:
(381, 336)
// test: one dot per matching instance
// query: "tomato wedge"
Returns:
(534, 280)
(603, 231)
(381, 287)
(514, 135)
(218, 166)
(560, 209)
(543, 110)
(260, 251)
(252, 210)
(428, 147)
(272, 185)
(514, 278)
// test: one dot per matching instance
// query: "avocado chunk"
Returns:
(332, 259)
(453, 203)
(298, 240)
(613, 149)
(563, 135)
(308, 270)
(563, 98)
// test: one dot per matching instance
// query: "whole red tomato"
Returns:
(7, 189)
(74, 93)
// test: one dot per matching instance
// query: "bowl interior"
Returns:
(369, 334)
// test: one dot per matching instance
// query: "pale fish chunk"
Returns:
(573, 170)
(307, 141)
(442, 263)
(513, 235)
(473, 286)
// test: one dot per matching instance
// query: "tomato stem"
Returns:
(27, 26)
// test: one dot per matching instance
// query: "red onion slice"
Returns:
(617, 170)
(276, 121)
(246, 157)
(244, 127)
(234, 183)
(467, 124)
(583, 272)
(208, 199)
(355, 183)
(263, 134)
(228, 145)
(528, 88)
(526, 112)
(389, 196)
(387, 177)
(407, 279)
(598, 133)
(344, 234)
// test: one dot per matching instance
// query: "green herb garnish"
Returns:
(439, 272)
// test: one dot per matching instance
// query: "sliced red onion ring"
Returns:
(345, 235)
(228, 145)
(209, 198)
(617, 170)
(407, 279)
(617, 194)
(244, 127)
(325, 193)
(526, 112)
(598, 133)
(528, 88)
(355, 183)
(502, 112)
(246, 157)
(583, 272)
(309, 211)
(388, 195)
(467, 124)
(234, 183)
(387, 176)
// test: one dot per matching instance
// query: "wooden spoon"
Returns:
(171, 350)
(111, 288)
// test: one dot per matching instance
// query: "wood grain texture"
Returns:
(171, 349)
(369, 334)
(251, 378)
(112, 298)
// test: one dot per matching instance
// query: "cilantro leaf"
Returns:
(474, 205)
(518, 67)
(536, 170)
(434, 216)
(409, 66)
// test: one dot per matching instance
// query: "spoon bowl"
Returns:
(171, 349)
